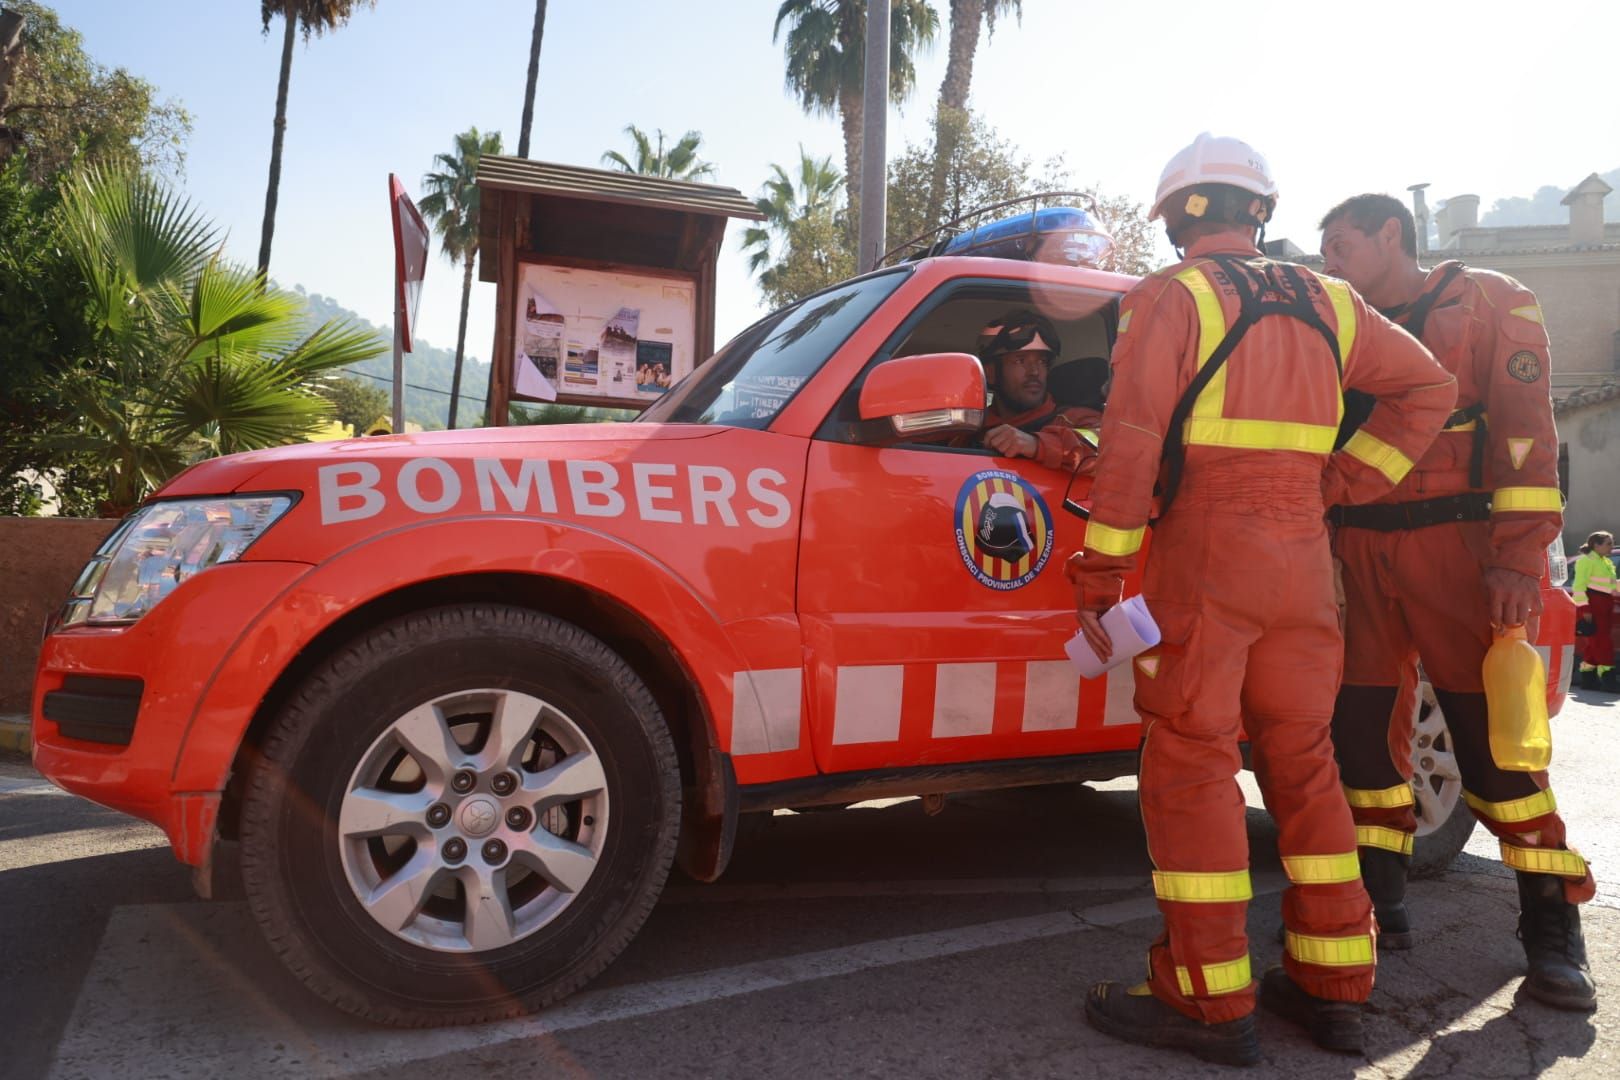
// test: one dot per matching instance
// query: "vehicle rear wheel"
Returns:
(465, 814)
(1444, 822)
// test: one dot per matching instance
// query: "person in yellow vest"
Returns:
(1595, 590)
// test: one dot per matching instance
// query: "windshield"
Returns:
(748, 382)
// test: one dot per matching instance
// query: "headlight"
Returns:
(158, 547)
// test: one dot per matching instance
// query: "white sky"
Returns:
(1488, 97)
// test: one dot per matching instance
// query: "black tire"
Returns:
(1433, 854)
(292, 867)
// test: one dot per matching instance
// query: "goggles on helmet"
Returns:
(1017, 334)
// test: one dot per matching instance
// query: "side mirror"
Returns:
(932, 394)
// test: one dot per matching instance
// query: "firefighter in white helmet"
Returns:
(1228, 388)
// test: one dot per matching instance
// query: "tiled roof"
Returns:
(1596, 394)
(602, 185)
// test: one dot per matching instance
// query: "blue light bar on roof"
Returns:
(1057, 234)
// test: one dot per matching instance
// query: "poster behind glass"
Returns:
(585, 335)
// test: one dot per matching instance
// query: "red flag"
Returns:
(411, 241)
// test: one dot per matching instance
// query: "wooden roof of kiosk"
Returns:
(566, 215)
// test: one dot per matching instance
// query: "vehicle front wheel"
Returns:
(1444, 822)
(463, 815)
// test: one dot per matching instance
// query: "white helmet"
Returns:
(1214, 159)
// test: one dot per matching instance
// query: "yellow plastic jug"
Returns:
(1516, 699)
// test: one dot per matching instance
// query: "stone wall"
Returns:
(39, 558)
(1592, 434)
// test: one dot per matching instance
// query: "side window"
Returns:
(951, 321)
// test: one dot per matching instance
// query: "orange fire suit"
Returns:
(1065, 434)
(1240, 582)
(1413, 584)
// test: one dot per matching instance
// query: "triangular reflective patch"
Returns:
(1519, 450)
(1148, 665)
(1531, 312)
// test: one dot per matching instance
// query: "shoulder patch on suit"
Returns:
(1524, 366)
(1519, 451)
(1531, 312)
(1125, 321)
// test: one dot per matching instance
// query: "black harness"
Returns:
(1414, 319)
(1264, 288)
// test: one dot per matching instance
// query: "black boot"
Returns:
(1609, 681)
(1550, 927)
(1384, 874)
(1136, 1016)
(1333, 1025)
(1588, 679)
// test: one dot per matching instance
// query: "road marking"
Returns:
(28, 785)
(160, 966)
(844, 890)
(26, 851)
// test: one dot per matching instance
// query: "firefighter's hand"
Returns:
(1511, 598)
(1008, 441)
(1091, 626)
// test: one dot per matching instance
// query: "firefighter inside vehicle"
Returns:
(461, 698)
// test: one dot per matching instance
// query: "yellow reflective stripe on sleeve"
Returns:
(1258, 435)
(1211, 332)
(1528, 808)
(1191, 887)
(1344, 311)
(1380, 836)
(1543, 861)
(1106, 540)
(1526, 498)
(1374, 452)
(1227, 978)
(1389, 798)
(1321, 869)
(1352, 951)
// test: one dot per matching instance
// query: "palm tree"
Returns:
(194, 356)
(452, 205)
(316, 17)
(679, 162)
(786, 201)
(826, 63)
(967, 16)
(534, 75)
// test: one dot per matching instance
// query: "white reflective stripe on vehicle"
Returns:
(765, 711)
(867, 704)
(1051, 696)
(1566, 667)
(964, 699)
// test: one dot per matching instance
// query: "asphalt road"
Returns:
(869, 942)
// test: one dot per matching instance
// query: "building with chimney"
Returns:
(1574, 270)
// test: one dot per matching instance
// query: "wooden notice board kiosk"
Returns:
(604, 281)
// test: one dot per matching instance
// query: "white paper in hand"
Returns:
(1130, 627)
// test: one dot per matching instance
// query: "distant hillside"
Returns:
(428, 370)
(1544, 207)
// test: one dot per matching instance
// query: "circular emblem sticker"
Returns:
(1003, 529)
(1524, 366)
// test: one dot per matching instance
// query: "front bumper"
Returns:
(169, 663)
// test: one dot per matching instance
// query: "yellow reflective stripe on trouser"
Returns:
(1202, 888)
(1227, 978)
(1380, 836)
(1352, 951)
(1526, 498)
(1258, 434)
(1107, 540)
(1211, 332)
(1344, 313)
(1321, 869)
(1543, 860)
(1390, 798)
(1374, 452)
(1528, 808)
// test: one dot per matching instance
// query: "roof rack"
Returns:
(931, 242)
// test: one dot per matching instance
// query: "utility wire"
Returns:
(430, 389)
